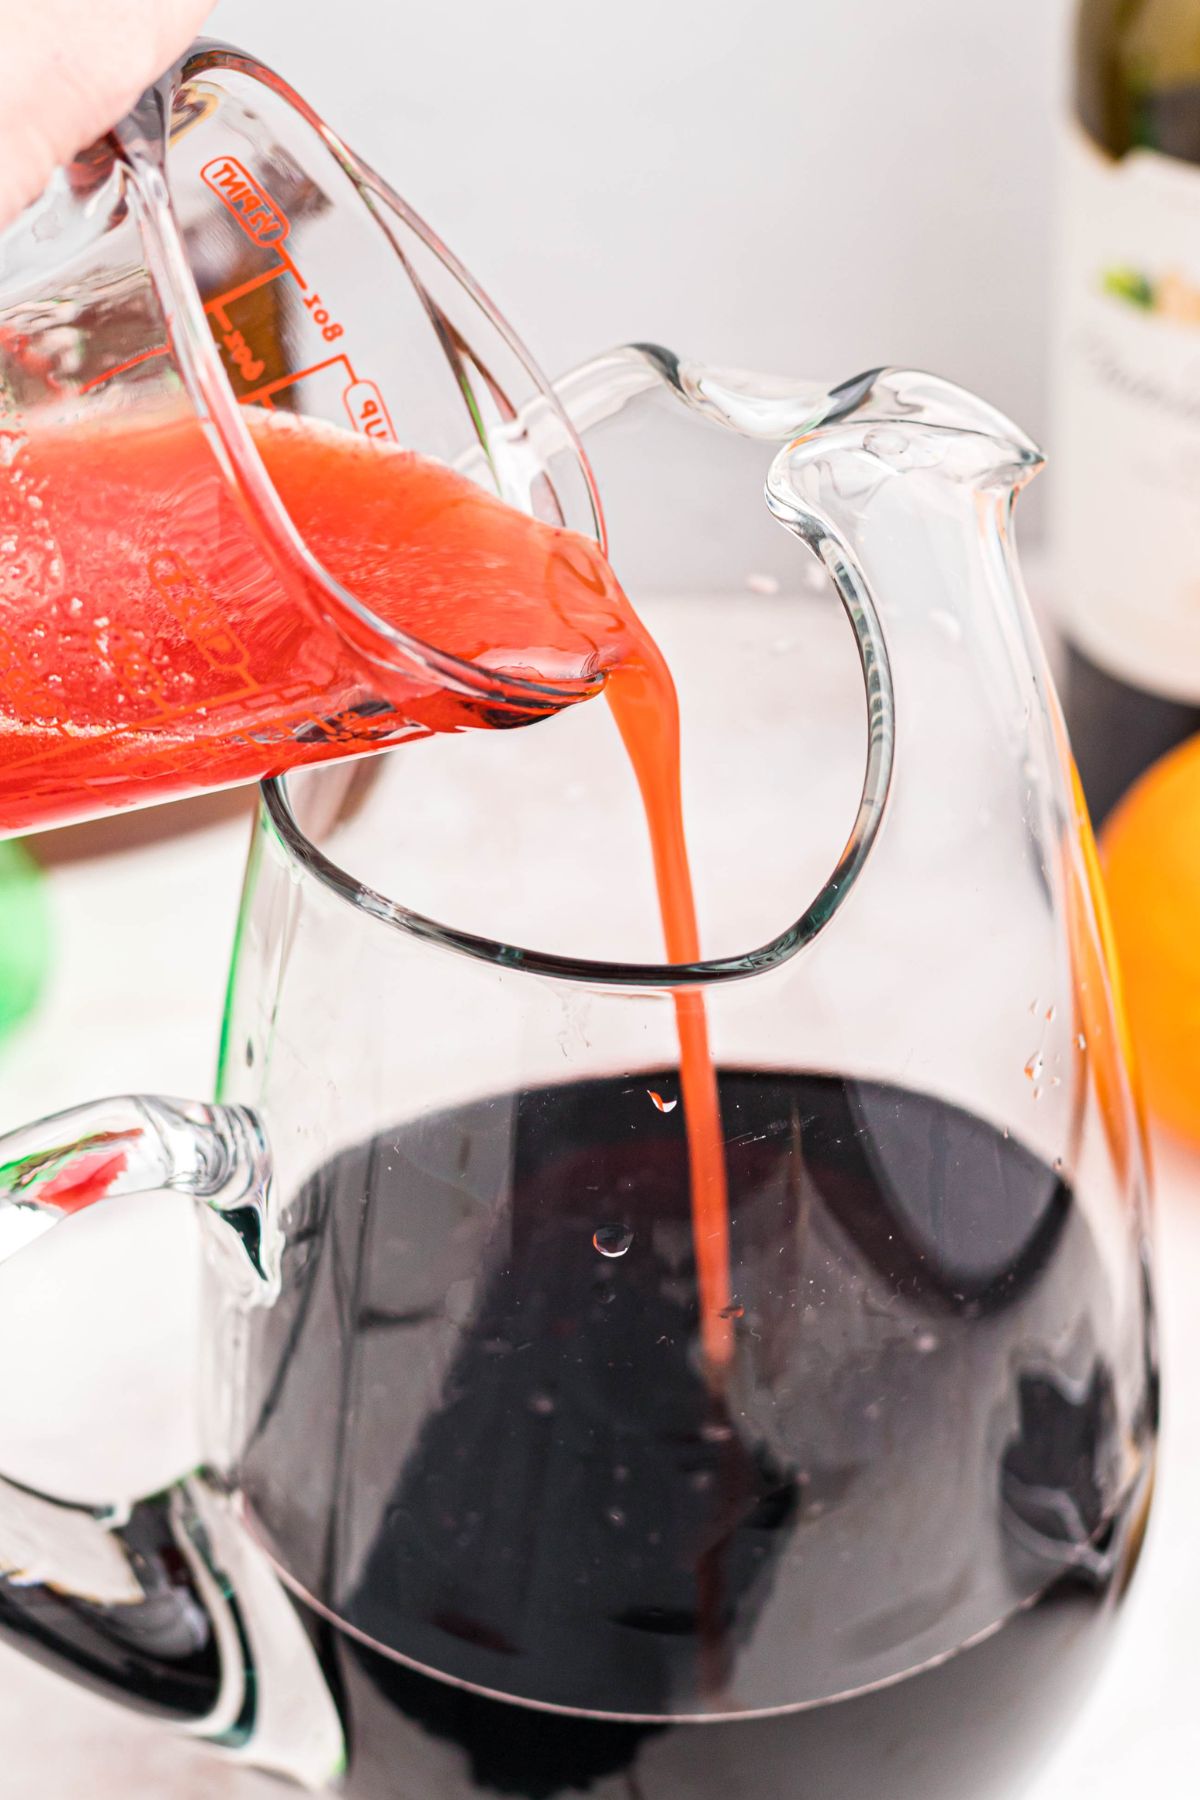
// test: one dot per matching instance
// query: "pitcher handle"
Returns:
(137, 1144)
(163, 1603)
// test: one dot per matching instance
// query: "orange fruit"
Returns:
(1150, 851)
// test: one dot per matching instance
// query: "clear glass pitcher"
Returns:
(223, 265)
(464, 1517)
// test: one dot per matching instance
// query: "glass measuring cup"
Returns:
(450, 1368)
(218, 268)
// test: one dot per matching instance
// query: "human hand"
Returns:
(69, 69)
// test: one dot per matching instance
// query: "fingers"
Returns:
(70, 70)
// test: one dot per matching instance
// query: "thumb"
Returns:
(71, 69)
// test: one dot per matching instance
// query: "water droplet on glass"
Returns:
(1037, 1093)
(612, 1240)
(541, 1404)
(1035, 1065)
(1058, 1165)
(1081, 1042)
(887, 444)
(1033, 1007)
(733, 1312)
(1050, 1014)
(926, 1342)
(762, 584)
(615, 1516)
(700, 1480)
(664, 1106)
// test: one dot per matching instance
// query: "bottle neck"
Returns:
(1137, 76)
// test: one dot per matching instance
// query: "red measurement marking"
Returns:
(290, 266)
(368, 414)
(262, 221)
(219, 302)
(273, 387)
(193, 604)
(141, 357)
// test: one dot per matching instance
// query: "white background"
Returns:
(809, 188)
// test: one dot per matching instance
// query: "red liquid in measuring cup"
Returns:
(148, 649)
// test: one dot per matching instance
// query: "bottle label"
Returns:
(1127, 443)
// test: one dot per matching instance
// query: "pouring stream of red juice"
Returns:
(149, 649)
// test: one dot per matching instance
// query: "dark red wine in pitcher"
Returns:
(879, 1558)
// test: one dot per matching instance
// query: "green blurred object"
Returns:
(24, 934)
(1129, 284)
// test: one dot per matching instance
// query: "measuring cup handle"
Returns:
(162, 1602)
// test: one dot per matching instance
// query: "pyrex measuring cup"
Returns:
(465, 1518)
(222, 261)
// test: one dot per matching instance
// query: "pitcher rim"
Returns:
(589, 390)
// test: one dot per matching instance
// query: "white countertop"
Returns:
(141, 941)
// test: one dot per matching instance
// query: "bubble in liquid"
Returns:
(612, 1240)
(1035, 1065)
(664, 1106)
(542, 1404)
(615, 1516)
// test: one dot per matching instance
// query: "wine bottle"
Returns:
(1127, 371)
